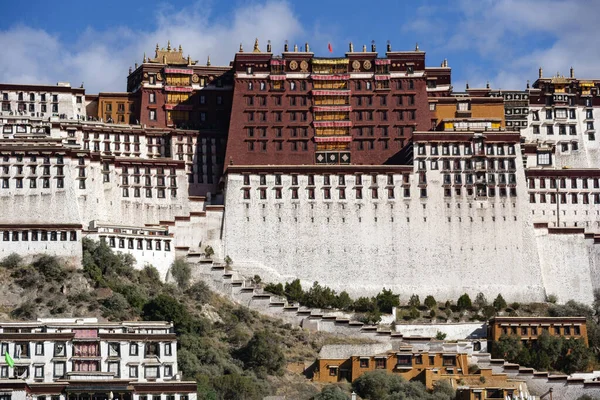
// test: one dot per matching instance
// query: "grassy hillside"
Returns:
(230, 350)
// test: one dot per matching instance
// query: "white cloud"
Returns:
(509, 39)
(101, 59)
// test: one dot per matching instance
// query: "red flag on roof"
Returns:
(329, 47)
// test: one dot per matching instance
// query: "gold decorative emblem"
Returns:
(159, 77)
(195, 78)
(211, 78)
(294, 65)
(304, 66)
(367, 64)
(355, 64)
(145, 75)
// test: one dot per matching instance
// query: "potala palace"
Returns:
(360, 172)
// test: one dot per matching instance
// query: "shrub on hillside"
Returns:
(235, 386)
(430, 302)
(331, 392)
(50, 267)
(365, 304)
(263, 353)
(11, 261)
(116, 307)
(480, 301)
(380, 385)
(414, 301)
(343, 301)
(181, 271)
(200, 292)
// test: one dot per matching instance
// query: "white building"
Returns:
(79, 359)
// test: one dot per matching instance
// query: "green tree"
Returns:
(181, 271)
(430, 302)
(263, 352)
(464, 302)
(499, 303)
(276, 289)
(343, 301)
(365, 304)
(386, 300)
(228, 261)
(414, 301)
(507, 347)
(167, 308)
(331, 392)
(319, 297)
(293, 290)
(488, 312)
(440, 335)
(377, 385)
(116, 307)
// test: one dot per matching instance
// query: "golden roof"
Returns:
(170, 56)
(560, 80)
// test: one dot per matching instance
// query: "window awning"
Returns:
(382, 61)
(277, 77)
(331, 93)
(317, 77)
(332, 139)
(332, 124)
(382, 77)
(332, 108)
(185, 89)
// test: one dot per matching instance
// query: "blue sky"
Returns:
(501, 41)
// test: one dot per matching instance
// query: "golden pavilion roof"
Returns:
(169, 56)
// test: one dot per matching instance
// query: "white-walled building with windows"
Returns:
(84, 359)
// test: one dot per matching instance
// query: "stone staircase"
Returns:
(244, 291)
(543, 383)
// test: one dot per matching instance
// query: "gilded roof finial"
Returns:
(417, 47)
(241, 48)
(180, 49)
(364, 48)
(296, 48)
(256, 49)
(208, 61)
(169, 45)
(164, 60)
(351, 48)
(189, 60)
(540, 72)
(145, 58)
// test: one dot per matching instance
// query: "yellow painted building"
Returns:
(405, 363)
(463, 111)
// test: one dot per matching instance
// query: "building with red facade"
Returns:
(298, 109)
(173, 91)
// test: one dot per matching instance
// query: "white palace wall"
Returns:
(436, 245)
